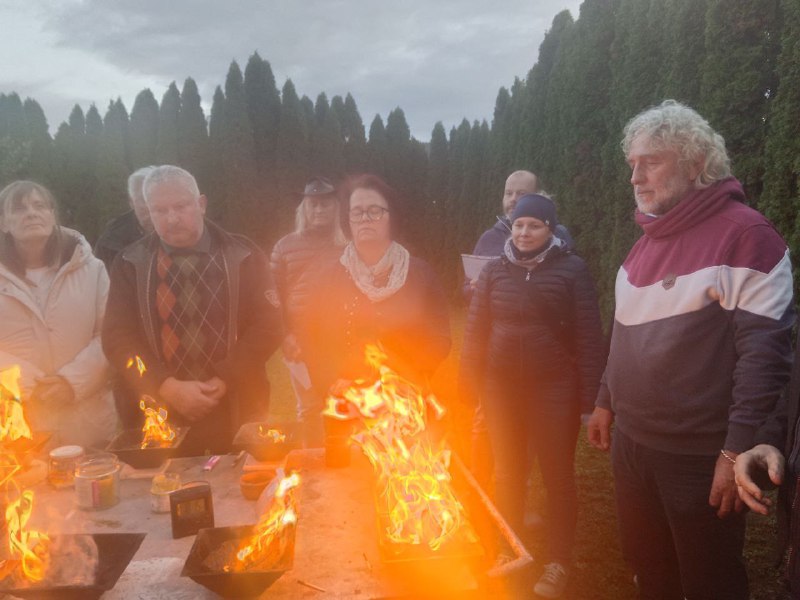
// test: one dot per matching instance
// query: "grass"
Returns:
(599, 571)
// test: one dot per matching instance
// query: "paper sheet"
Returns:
(473, 264)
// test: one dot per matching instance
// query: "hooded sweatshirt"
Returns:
(701, 345)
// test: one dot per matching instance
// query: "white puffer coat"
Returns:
(63, 338)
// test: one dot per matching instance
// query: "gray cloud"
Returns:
(440, 60)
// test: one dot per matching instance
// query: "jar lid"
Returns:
(66, 452)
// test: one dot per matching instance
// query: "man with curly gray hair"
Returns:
(700, 351)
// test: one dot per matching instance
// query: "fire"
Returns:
(27, 548)
(415, 495)
(276, 436)
(157, 432)
(137, 360)
(270, 539)
(12, 420)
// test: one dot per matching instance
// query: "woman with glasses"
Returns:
(377, 293)
(52, 300)
(534, 353)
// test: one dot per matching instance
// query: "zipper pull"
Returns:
(528, 276)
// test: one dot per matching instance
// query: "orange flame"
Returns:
(157, 432)
(415, 496)
(276, 436)
(29, 546)
(269, 541)
(12, 419)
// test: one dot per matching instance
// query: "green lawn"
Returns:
(600, 573)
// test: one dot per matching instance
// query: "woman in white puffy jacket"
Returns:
(52, 300)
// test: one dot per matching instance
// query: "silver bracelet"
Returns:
(728, 456)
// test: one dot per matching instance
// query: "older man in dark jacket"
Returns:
(195, 303)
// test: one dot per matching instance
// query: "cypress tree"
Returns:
(39, 165)
(242, 203)
(781, 198)
(739, 79)
(144, 130)
(292, 159)
(167, 147)
(355, 149)
(216, 181)
(376, 147)
(194, 151)
(263, 108)
(327, 142)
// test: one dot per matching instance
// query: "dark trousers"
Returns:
(671, 536)
(547, 426)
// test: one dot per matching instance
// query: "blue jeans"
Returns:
(671, 536)
(521, 424)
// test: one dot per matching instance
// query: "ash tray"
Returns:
(244, 584)
(262, 448)
(253, 483)
(127, 446)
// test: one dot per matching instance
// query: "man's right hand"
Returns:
(599, 428)
(291, 348)
(193, 400)
(759, 458)
(473, 283)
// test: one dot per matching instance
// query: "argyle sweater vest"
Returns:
(192, 308)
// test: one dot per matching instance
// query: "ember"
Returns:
(415, 500)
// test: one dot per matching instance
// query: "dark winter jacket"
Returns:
(119, 233)
(525, 327)
(412, 326)
(294, 264)
(493, 239)
(254, 328)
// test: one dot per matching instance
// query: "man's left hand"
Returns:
(724, 496)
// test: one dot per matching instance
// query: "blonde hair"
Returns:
(301, 220)
(674, 126)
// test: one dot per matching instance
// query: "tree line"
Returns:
(736, 61)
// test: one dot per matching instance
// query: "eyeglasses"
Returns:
(373, 213)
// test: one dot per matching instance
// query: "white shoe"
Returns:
(553, 581)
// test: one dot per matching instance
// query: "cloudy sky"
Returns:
(439, 60)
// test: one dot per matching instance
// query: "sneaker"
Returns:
(552, 582)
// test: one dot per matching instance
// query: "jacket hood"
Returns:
(697, 206)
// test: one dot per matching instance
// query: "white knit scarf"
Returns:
(394, 262)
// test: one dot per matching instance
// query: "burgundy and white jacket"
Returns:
(701, 346)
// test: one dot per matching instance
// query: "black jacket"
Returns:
(294, 264)
(412, 326)
(118, 234)
(525, 327)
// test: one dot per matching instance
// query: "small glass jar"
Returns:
(97, 481)
(61, 467)
(163, 485)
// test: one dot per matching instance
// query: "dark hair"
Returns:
(10, 196)
(368, 181)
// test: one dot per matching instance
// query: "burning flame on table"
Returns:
(414, 485)
(26, 548)
(271, 538)
(157, 432)
(276, 436)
